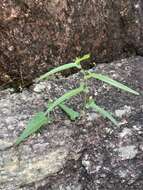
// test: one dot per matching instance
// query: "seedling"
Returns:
(44, 118)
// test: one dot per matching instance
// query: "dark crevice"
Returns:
(19, 84)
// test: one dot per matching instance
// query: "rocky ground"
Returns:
(88, 154)
(38, 35)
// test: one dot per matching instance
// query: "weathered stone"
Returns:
(37, 35)
(124, 111)
(85, 154)
(127, 152)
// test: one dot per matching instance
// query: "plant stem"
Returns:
(65, 97)
(86, 87)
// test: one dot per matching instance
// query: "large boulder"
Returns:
(89, 153)
(37, 35)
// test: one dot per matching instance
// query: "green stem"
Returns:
(65, 97)
(59, 69)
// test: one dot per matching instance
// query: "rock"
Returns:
(38, 35)
(74, 155)
(39, 88)
(122, 112)
(34, 168)
(127, 152)
(125, 132)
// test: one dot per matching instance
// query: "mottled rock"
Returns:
(127, 152)
(38, 35)
(85, 154)
(123, 112)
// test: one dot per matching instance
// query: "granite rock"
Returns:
(85, 154)
(38, 35)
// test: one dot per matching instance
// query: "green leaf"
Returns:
(112, 82)
(65, 97)
(104, 113)
(73, 115)
(83, 58)
(34, 124)
(59, 69)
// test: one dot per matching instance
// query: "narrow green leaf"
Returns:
(59, 69)
(73, 115)
(112, 82)
(34, 124)
(104, 113)
(83, 58)
(65, 97)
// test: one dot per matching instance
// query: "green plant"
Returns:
(42, 118)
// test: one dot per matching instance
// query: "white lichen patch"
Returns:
(126, 110)
(39, 88)
(127, 152)
(125, 132)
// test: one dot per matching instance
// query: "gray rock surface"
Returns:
(128, 152)
(37, 35)
(89, 153)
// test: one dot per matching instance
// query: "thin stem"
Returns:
(86, 87)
